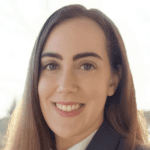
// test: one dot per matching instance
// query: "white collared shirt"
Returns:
(84, 143)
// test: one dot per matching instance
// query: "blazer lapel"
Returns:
(106, 138)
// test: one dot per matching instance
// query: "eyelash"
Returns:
(58, 65)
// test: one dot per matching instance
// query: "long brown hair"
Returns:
(29, 131)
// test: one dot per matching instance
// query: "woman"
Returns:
(79, 91)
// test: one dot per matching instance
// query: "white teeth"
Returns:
(59, 106)
(64, 108)
(73, 107)
(68, 107)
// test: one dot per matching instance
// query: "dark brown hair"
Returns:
(29, 131)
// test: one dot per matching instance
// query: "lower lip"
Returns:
(72, 113)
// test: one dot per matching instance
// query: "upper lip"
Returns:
(68, 103)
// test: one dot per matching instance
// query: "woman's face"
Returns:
(70, 78)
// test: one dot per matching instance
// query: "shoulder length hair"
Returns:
(28, 130)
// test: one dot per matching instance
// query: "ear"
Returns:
(115, 79)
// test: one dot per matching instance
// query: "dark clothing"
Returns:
(107, 138)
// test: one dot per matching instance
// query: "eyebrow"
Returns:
(77, 56)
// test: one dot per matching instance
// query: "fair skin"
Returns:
(72, 81)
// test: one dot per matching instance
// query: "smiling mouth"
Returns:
(68, 108)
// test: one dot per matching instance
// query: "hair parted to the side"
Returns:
(29, 131)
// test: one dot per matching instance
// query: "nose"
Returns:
(67, 83)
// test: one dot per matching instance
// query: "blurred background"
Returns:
(21, 21)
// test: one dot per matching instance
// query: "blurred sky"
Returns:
(21, 21)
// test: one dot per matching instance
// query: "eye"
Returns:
(87, 66)
(54, 66)
(51, 66)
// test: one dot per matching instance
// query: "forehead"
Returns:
(75, 36)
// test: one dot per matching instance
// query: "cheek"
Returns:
(45, 87)
(45, 90)
(42, 87)
(97, 84)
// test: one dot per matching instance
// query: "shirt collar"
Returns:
(84, 143)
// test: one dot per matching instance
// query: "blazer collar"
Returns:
(106, 138)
